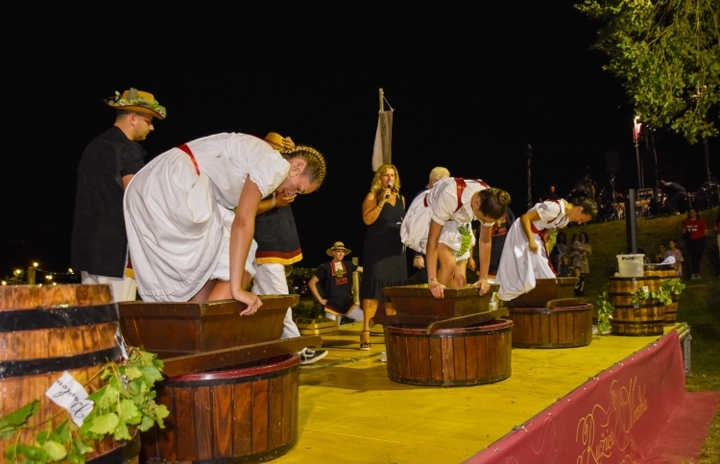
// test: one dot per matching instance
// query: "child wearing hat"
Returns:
(335, 277)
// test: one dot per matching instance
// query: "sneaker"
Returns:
(365, 346)
(308, 356)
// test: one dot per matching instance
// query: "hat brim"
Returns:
(347, 251)
(137, 109)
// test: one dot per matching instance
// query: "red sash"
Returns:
(186, 149)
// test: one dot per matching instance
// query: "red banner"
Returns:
(612, 418)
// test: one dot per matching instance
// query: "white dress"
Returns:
(519, 266)
(442, 205)
(179, 209)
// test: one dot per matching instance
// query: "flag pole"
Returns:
(381, 94)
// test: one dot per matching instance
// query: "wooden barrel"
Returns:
(449, 357)
(244, 414)
(567, 327)
(643, 319)
(665, 271)
(46, 330)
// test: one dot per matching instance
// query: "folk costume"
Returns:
(519, 266)
(447, 203)
(179, 210)
(99, 246)
(278, 246)
(336, 281)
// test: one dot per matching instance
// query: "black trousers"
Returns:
(695, 248)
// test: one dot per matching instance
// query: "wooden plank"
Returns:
(470, 319)
(423, 347)
(413, 357)
(436, 362)
(185, 423)
(484, 357)
(276, 412)
(459, 357)
(448, 362)
(287, 408)
(242, 419)
(544, 332)
(403, 358)
(561, 330)
(471, 357)
(260, 416)
(222, 420)
(219, 359)
(393, 354)
(203, 422)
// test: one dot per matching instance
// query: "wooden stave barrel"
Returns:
(213, 436)
(561, 327)
(47, 330)
(666, 272)
(490, 342)
(635, 320)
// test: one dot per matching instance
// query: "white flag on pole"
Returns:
(382, 150)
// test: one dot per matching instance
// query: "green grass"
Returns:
(699, 304)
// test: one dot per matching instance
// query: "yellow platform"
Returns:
(350, 412)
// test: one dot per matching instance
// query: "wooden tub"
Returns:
(177, 329)
(449, 357)
(241, 415)
(566, 326)
(47, 330)
(545, 290)
(665, 271)
(647, 318)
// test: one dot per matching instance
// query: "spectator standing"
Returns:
(384, 262)
(551, 194)
(99, 248)
(694, 231)
(585, 243)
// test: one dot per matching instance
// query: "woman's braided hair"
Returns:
(315, 168)
(494, 202)
(581, 199)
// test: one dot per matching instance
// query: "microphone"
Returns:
(390, 186)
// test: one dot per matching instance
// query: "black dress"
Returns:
(384, 263)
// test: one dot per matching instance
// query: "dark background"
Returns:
(472, 85)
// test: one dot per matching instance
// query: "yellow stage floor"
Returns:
(351, 412)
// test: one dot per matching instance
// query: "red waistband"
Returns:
(186, 149)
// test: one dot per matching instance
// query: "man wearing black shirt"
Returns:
(109, 162)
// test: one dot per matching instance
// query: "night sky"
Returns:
(472, 85)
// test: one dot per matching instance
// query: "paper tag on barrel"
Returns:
(69, 394)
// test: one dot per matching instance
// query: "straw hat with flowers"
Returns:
(137, 101)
